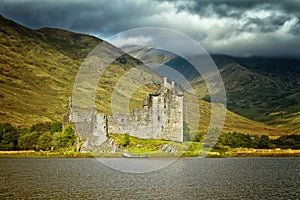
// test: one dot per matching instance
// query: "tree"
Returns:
(56, 126)
(28, 141)
(45, 142)
(235, 140)
(263, 142)
(66, 138)
(288, 141)
(8, 137)
(41, 127)
(199, 137)
(126, 140)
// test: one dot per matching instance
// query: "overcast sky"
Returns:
(263, 28)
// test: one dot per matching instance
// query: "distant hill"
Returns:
(38, 68)
(262, 89)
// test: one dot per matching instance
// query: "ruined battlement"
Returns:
(161, 117)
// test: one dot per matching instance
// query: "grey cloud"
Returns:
(222, 7)
(269, 24)
(219, 25)
(237, 9)
(106, 17)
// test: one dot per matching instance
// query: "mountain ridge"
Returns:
(256, 88)
(38, 68)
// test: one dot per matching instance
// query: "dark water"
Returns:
(188, 178)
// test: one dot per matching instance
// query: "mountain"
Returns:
(36, 79)
(262, 89)
(265, 90)
(38, 69)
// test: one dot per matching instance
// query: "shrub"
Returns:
(235, 140)
(8, 137)
(41, 127)
(66, 138)
(45, 142)
(262, 142)
(126, 140)
(288, 141)
(56, 126)
(198, 137)
(28, 141)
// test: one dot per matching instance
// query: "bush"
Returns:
(235, 140)
(66, 138)
(56, 126)
(29, 141)
(288, 141)
(41, 127)
(8, 137)
(263, 142)
(45, 142)
(198, 137)
(126, 140)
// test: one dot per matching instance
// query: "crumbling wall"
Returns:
(90, 126)
(161, 117)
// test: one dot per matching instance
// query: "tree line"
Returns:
(236, 140)
(41, 136)
(52, 136)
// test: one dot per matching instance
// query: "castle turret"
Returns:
(165, 81)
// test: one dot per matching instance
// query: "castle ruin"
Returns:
(161, 117)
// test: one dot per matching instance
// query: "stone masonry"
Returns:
(161, 117)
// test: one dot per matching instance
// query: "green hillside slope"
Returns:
(38, 69)
(262, 89)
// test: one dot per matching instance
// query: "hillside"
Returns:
(35, 78)
(38, 68)
(266, 90)
(233, 121)
(262, 89)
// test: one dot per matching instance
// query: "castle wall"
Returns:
(161, 117)
(89, 126)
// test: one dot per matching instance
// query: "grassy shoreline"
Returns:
(234, 152)
(250, 152)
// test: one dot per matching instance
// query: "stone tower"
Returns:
(89, 125)
(161, 116)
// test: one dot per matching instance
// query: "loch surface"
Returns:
(187, 178)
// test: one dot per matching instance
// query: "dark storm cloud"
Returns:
(223, 7)
(237, 9)
(247, 27)
(105, 17)
(269, 24)
(254, 26)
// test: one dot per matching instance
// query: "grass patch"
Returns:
(44, 154)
